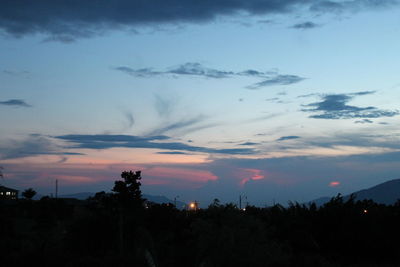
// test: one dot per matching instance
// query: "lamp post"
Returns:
(240, 200)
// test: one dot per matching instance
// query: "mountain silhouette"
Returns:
(385, 193)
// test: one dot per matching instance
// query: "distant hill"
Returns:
(81, 196)
(385, 193)
(155, 199)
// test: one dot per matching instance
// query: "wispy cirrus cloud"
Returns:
(334, 106)
(360, 139)
(164, 106)
(15, 103)
(279, 79)
(183, 124)
(269, 78)
(65, 22)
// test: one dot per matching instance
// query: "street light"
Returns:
(194, 205)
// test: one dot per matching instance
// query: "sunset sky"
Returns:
(275, 100)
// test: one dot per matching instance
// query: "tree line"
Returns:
(123, 229)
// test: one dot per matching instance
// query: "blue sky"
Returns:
(272, 99)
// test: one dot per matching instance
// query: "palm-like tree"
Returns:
(29, 193)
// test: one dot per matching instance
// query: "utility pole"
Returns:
(175, 201)
(56, 188)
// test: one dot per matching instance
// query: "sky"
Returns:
(273, 100)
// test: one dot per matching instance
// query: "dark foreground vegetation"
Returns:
(121, 229)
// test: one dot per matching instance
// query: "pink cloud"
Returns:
(250, 174)
(334, 183)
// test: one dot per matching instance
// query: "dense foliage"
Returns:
(121, 229)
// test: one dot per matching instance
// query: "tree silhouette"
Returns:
(130, 202)
(29, 193)
(128, 191)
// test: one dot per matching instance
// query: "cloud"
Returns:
(262, 118)
(279, 79)
(334, 183)
(172, 153)
(32, 146)
(289, 137)
(248, 144)
(192, 69)
(178, 125)
(334, 106)
(351, 5)
(266, 21)
(15, 103)
(164, 106)
(364, 121)
(307, 95)
(197, 69)
(130, 119)
(305, 25)
(66, 21)
(254, 73)
(357, 139)
(144, 72)
(270, 78)
(130, 141)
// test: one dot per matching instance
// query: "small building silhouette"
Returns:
(8, 193)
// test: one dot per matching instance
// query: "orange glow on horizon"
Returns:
(113, 156)
(175, 175)
(180, 174)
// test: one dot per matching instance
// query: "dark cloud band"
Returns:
(152, 142)
(65, 20)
